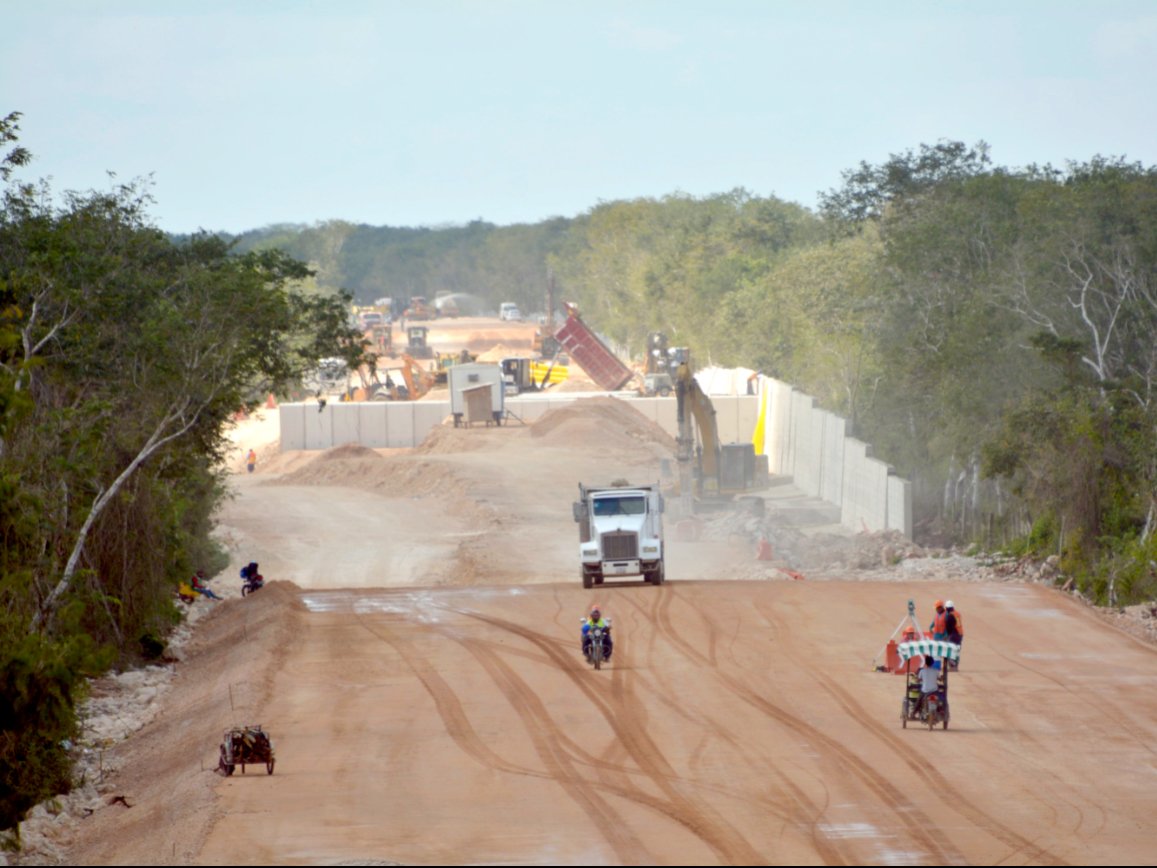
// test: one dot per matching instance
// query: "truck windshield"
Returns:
(620, 506)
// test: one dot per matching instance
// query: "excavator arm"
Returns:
(693, 405)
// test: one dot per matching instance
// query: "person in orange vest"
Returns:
(953, 628)
(251, 460)
(938, 626)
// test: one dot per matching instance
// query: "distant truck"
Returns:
(588, 351)
(620, 533)
(508, 312)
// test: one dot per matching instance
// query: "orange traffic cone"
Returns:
(271, 402)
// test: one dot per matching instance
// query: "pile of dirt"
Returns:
(445, 438)
(497, 353)
(608, 422)
(350, 451)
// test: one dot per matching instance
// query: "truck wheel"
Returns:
(660, 575)
(588, 582)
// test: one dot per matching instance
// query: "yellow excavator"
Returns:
(710, 469)
(694, 412)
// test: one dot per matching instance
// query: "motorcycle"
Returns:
(935, 710)
(597, 647)
(251, 584)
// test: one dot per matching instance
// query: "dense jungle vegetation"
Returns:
(991, 332)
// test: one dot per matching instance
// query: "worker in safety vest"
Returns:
(953, 628)
(938, 626)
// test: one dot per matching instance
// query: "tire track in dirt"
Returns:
(702, 820)
(449, 707)
(936, 782)
(545, 733)
(798, 809)
(908, 814)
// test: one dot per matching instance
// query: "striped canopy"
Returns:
(938, 648)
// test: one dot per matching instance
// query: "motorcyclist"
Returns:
(929, 682)
(595, 619)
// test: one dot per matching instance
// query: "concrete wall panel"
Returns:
(319, 426)
(346, 422)
(400, 427)
(832, 457)
(807, 437)
(375, 424)
(291, 422)
(900, 505)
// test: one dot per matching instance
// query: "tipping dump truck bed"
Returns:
(587, 350)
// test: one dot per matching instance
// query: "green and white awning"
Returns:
(938, 648)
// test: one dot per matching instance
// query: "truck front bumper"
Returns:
(621, 568)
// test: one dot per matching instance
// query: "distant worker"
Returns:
(201, 588)
(938, 627)
(251, 460)
(953, 628)
(595, 619)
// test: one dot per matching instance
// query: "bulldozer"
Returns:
(416, 345)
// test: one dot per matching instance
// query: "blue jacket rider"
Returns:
(595, 619)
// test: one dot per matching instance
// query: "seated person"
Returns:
(929, 680)
(201, 588)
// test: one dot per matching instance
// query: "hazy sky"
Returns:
(430, 112)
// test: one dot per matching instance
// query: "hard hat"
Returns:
(949, 605)
(938, 603)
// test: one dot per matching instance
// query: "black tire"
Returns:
(588, 580)
(269, 767)
(244, 589)
(660, 574)
(904, 714)
(932, 712)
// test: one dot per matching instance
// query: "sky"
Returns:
(246, 114)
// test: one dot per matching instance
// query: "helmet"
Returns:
(939, 603)
(595, 613)
(949, 605)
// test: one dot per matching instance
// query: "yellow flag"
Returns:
(761, 421)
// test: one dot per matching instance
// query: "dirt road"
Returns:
(415, 657)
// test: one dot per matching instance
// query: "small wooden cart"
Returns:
(246, 745)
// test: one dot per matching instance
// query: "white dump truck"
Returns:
(620, 532)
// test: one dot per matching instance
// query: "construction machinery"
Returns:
(416, 342)
(418, 380)
(531, 375)
(587, 350)
(419, 309)
(661, 360)
(707, 468)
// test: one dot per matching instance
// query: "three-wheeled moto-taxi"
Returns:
(246, 745)
(921, 705)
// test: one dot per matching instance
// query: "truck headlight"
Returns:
(590, 551)
(650, 550)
